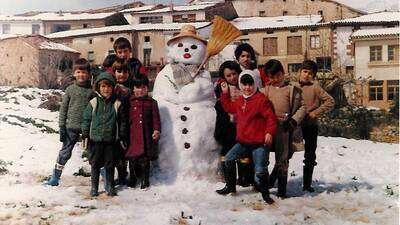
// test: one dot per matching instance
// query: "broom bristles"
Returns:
(222, 34)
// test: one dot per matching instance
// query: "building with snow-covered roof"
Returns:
(329, 9)
(183, 13)
(148, 40)
(290, 39)
(51, 22)
(343, 29)
(376, 66)
(33, 60)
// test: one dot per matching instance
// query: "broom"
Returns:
(222, 34)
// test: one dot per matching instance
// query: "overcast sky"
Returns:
(19, 6)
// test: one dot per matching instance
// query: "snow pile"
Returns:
(356, 183)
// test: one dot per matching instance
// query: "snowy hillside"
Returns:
(356, 183)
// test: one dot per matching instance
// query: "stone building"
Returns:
(34, 61)
(376, 66)
(329, 9)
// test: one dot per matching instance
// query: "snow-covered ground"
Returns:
(356, 183)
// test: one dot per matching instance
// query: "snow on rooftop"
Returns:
(373, 17)
(6, 36)
(49, 45)
(181, 8)
(376, 32)
(258, 23)
(52, 16)
(138, 9)
(136, 27)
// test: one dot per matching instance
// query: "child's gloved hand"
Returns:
(63, 133)
(156, 135)
(224, 87)
(289, 125)
(268, 139)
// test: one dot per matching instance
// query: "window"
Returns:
(184, 18)
(146, 56)
(375, 53)
(21, 58)
(90, 41)
(261, 1)
(393, 89)
(60, 27)
(320, 12)
(151, 19)
(324, 63)
(270, 31)
(294, 45)
(376, 90)
(285, 13)
(294, 67)
(261, 13)
(244, 40)
(111, 39)
(393, 52)
(85, 25)
(35, 28)
(146, 38)
(270, 46)
(6, 28)
(90, 56)
(315, 41)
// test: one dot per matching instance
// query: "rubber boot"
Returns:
(243, 174)
(55, 178)
(263, 187)
(272, 178)
(230, 179)
(110, 182)
(122, 173)
(132, 174)
(282, 183)
(145, 183)
(104, 174)
(95, 176)
(307, 178)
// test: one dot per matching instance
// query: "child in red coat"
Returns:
(256, 126)
(145, 128)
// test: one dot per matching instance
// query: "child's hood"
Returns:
(105, 76)
(251, 73)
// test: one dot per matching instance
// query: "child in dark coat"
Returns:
(145, 128)
(105, 124)
(256, 127)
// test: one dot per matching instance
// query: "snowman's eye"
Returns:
(193, 47)
(180, 45)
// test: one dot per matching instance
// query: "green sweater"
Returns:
(74, 101)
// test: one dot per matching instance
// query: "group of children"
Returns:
(257, 112)
(253, 121)
(116, 116)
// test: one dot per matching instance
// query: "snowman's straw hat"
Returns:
(222, 34)
(187, 31)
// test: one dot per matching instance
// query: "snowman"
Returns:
(186, 103)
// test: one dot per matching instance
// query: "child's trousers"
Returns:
(68, 145)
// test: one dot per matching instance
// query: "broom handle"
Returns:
(201, 66)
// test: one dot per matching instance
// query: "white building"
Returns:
(20, 25)
(376, 62)
(343, 29)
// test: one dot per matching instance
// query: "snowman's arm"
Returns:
(164, 87)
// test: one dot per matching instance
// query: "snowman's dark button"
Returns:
(186, 108)
(187, 145)
(185, 131)
(183, 118)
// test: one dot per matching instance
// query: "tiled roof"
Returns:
(52, 16)
(139, 9)
(180, 8)
(381, 32)
(261, 23)
(380, 17)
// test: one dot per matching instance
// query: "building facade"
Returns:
(376, 66)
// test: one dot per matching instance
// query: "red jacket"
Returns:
(144, 118)
(254, 116)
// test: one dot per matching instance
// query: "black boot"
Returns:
(230, 179)
(95, 176)
(110, 181)
(263, 187)
(272, 178)
(307, 178)
(132, 174)
(282, 182)
(122, 173)
(243, 173)
(145, 183)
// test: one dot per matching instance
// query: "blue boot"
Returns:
(55, 178)
(103, 174)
